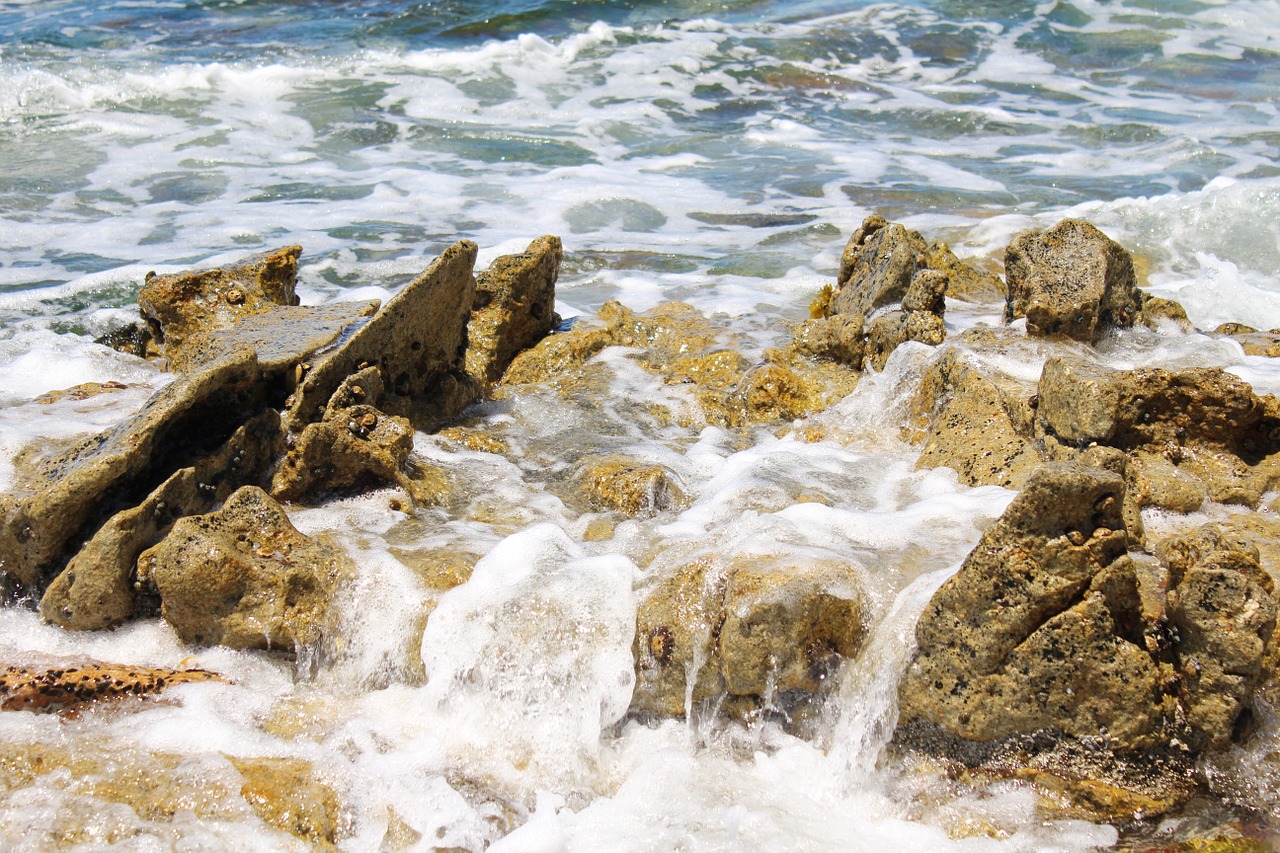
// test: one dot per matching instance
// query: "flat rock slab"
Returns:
(282, 336)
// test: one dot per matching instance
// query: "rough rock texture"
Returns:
(631, 486)
(185, 303)
(971, 427)
(351, 449)
(287, 794)
(244, 577)
(1035, 629)
(514, 308)
(1070, 281)
(766, 634)
(70, 688)
(96, 589)
(1051, 638)
(43, 521)
(1223, 609)
(418, 342)
(1208, 423)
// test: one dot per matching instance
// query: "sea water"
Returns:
(716, 153)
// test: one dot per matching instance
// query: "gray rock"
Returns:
(1070, 281)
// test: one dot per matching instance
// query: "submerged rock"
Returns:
(631, 486)
(287, 793)
(184, 304)
(514, 308)
(1070, 281)
(244, 577)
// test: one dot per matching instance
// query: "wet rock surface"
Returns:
(72, 687)
(514, 308)
(244, 577)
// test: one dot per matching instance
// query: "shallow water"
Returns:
(719, 154)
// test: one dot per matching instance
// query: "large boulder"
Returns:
(417, 341)
(244, 577)
(1070, 281)
(183, 304)
(46, 519)
(514, 308)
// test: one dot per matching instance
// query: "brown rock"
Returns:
(769, 392)
(288, 794)
(514, 308)
(244, 577)
(632, 487)
(964, 282)
(877, 267)
(1034, 631)
(417, 341)
(183, 304)
(1070, 281)
(96, 590)
(839, 338)
(1157, 311)
(77, 491)
(70, 688)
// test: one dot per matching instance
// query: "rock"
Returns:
(1070, 281)
(417, 341)
(631, 486)
(44, 521)
(1157, 312)
(1223, 608)
(769, 392)
(71, 688)
(288, 794)
(971, 428)
(890, 330)
(1265, 344)
(83, 391)
(137, 339)
(764, 633)
(876, 269)
(95, 590)
(351, 449)
(185, 303)
(514, 308)
(281, 337)
(1035, 632)
(244, 577)
(787, 628)
(964, 282)
(1155, 481)
(839, 338)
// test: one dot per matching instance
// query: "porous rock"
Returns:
(244, 577)
(289, 794)
(75, 492)
(96, 589)
(185, 303)
(514, 308)
(417, 341)
(631, 486)
(1032, 633)
(70, 687)
(1070, 281)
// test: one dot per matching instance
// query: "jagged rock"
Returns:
(282, 337)
(1036, 630)
(514, 308)
(839, 338)
(417, 341)
(877, 266)
(629, 485)
(888, 331)
(77, 491)
(1155, 481)
(1208, 422)
(1070, 281)
(185, 303)
(351, 448)
(971, 429)
(70, 688)
(763, 632)
(1223, 608)
(1158, 311)
(769, 392)
(95, 590)
(964, 282)
(137, 339)
(244, 577)
(288, 794)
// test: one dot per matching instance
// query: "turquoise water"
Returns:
(718, 153)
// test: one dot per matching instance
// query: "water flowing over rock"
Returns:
(514, 308)
(244, 577)
(1070, 281)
